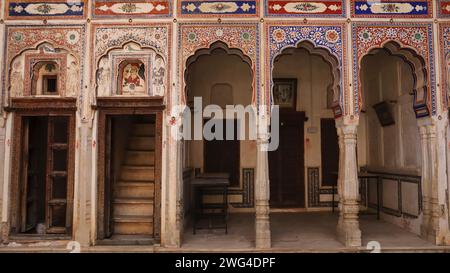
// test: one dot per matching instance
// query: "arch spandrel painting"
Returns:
(131, 71)
(131, 62)
(28, 46)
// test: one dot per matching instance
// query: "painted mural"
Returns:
(418, 37)
(392, 8)
(206, 8)
(309, 8)
(38, 9)
(444, 8)
(331, 37)
(193, 37)
(30, 46)
(131, 8)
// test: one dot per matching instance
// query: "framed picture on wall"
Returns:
(285, 93)
(384, 113)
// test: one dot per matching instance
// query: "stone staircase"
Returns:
(133, 202)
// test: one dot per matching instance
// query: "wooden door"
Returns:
(286, 164)
(329, 152)
(57, 191)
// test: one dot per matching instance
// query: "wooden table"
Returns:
(206, 183)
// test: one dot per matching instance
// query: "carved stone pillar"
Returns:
(348, 225)
(340, 174)
(426, 210)
(262, 195)
(433, 132)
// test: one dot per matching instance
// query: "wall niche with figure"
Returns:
(45, 71)
(131, 71)
(132, 78)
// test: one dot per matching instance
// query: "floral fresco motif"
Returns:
(245, 37)
(131, 8)
(392, 8)
(415, 36)
(308, 8)
(205, 8)
(37, 9)
(444, 8)
(281, 36)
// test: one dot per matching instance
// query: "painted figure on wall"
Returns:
(16, 81)
(103, 77)
(72, 79)
(133, 78)
(158, 76)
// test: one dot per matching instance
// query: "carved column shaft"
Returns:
(423, 131)
(348, 225)
(262, 196)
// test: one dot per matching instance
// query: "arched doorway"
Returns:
(221, 76)
(306, 81)
(303, 171)
(389, 142)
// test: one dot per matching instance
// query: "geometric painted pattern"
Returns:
(417, 36)
(195, 36)
(392, 8)
(308, 8)
(38, 9)
(221, 8)
(286, 34)
(131, 8)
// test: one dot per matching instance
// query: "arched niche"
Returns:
(419, 72)
(30, 73)
(218, 48)
(334, 88)
(143, 66)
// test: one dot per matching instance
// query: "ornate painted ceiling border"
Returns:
(45, 9)
(416, 36)
(443, 8)
(23, 37)
(392, 9)
(131, 8)
(444, 43)
(194, 36)
(157, 36)
(331, 36)
(218, 8)
(305, 8)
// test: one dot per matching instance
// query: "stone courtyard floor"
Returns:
(291, 232)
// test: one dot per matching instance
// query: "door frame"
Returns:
(42, 106)
(117, 106)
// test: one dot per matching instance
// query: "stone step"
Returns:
(143, 129)
(133, 207)
(137, 173)
(133, 225)
(140, 158)
(141, 143)
(134, 189)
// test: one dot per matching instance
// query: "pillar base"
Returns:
(349, 234)
(263, 235)
(4, 228)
